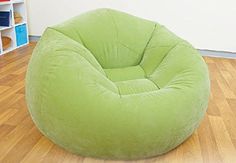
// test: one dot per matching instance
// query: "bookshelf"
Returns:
(17, 31)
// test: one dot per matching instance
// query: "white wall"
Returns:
(207, 24)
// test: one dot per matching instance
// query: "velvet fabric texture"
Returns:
(110, 85)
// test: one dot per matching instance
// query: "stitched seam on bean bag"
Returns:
(145, 48)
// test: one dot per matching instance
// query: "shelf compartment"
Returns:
(11, 34)
(19, 14)
(7, 8)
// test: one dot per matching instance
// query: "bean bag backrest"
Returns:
(116, 39)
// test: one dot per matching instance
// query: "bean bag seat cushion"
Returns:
(110, 85)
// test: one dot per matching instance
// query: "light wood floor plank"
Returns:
(228, 117)
(56, 154)
(223, 140)
(192, 150)
(23, 146)
(72, 158)
(209, 149)
(39, 151)
(5, 129)
(10, 140)
(7, 115)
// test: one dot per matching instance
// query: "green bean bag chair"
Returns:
(110, 85)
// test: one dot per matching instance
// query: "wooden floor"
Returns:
(20, 141)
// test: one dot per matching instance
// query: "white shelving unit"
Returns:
(17, 32)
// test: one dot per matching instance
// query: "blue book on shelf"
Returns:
(5, 18)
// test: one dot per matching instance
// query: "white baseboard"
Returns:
(33, 38)
(219, 54)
